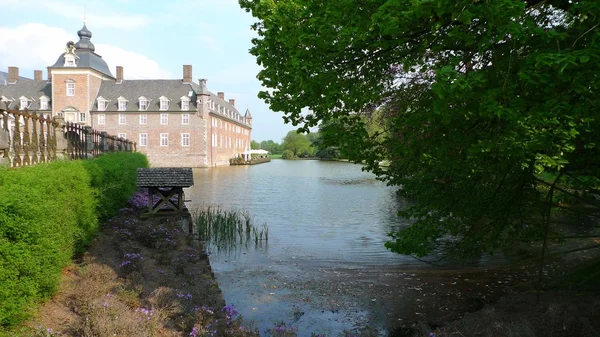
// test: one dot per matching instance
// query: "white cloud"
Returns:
(135, 66)
(32, 45)
(36, 46)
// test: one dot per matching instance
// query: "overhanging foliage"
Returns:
(476, 100)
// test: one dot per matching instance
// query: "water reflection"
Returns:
(321, 216)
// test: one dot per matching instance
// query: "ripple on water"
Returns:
(322, 216)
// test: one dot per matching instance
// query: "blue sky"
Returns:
(150, 39)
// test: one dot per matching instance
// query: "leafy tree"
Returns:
(287, 154)
(296, 142)
(271, 146)
(472, 102)
(254, 145)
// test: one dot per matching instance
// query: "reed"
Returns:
(225, 229)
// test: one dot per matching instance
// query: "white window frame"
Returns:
(185, 119)
(164, 104)
(122, 135)
(69, 60)
(101, 119)
(82, 117)
(43, 103)
(70, 89)
(185, 139)
(24, 103)
(122, 119)
(102, 104)
(164, 139)
(185, 105)
(164, 119)
(122, 105)
(143, 139)
(143, 119)
(144, 104)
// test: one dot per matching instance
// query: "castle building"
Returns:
(176, 122)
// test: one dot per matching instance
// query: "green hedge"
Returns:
(114, 179)
(48, 212)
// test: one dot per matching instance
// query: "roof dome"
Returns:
(85, 54)
(84, 39)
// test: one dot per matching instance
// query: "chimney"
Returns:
(232, 101)
(37, 75)
(49, 75)
(119, 74)
(187, 73)
(13, 75)
(221, 95)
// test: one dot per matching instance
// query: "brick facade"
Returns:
(214, 133)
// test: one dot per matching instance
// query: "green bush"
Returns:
(49, 212)
(46, 213)
(287, 154)
(114, 179)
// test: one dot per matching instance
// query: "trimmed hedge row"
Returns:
(48, 213)
(114, 179)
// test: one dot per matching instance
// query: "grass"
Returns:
(276, 156)
(225, 229)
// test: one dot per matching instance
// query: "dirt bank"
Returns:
(138, 278)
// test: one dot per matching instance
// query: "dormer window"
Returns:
(144, 103)
(122, 103)
(102, 104)
(6, 101)
(185, 103)
(24, 103)
(70, 60)
(164, 103)
(44, 103)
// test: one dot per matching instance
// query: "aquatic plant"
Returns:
(224, 228)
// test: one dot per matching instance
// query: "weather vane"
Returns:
(84, 19)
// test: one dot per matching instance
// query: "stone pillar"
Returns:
(4, 148)
(61, 139)
(104, 142)
(89, 142)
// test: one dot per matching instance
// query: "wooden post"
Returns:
(150, 199)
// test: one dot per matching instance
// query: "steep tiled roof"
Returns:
(31, 89)
(132, 90)
(4, 78)
(165, 177)
(86, 56)
(87, 59)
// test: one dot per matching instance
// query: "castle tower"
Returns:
(76, 77)
(248, 117)
(202, 97)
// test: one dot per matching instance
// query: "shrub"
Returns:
(49, 212)
(287, 154)
(46, 213)
(114, 179)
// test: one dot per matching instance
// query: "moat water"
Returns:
(324, 269)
